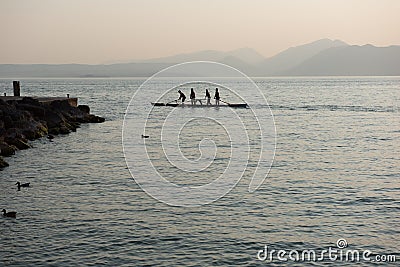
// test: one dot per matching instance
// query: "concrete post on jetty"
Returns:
(25, 118)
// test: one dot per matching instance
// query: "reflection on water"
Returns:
(335, 175)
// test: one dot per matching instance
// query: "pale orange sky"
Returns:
(98, 31)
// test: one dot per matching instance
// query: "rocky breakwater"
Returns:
(28, 119)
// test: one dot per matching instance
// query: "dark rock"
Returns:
(36, 111)
(41, 131)
(8, 122)
(7, 150)
(96, 119)
(84, 108)
(3, 164)
(75, 125)
(34, 130)
(54, 130)
(20, 143)
(29, 134)
(64, 130)
(53, 119)
(30, 100)
(13, 133)
(28, 118)
(61, 105)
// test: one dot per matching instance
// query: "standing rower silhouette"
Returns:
(216, 97)
(208, 97)
(192, 96)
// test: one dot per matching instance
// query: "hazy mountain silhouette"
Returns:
(295, 55)
(366, 60)
(323, 57)
(245, 55)
(81, 70)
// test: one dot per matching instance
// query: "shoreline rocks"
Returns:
(3, 164)
(28, 119)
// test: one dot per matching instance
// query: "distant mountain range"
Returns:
(320, 58)
(245, 55)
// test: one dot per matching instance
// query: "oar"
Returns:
(173, 101)
(224, 102)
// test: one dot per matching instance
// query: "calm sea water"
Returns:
(336, 175)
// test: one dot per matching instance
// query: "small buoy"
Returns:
(145, 136)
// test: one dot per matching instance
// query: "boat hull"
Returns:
(199, 106)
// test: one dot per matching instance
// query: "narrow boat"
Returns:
(231, 105)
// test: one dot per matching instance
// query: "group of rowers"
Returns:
(194, 100)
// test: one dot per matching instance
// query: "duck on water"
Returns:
(10, 214)
(22, 185)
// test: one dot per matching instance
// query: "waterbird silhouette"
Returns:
(10, 214)
(22, 185)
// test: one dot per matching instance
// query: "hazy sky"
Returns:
(98, 31)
